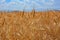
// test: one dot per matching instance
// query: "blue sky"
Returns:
(28, 5)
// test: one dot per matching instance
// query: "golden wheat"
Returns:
(30, 25)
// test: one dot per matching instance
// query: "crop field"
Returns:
(30, 25)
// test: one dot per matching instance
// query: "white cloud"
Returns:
(27, 4)
(49, 2)
(2, 1)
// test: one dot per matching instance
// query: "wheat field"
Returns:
(30, 25)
